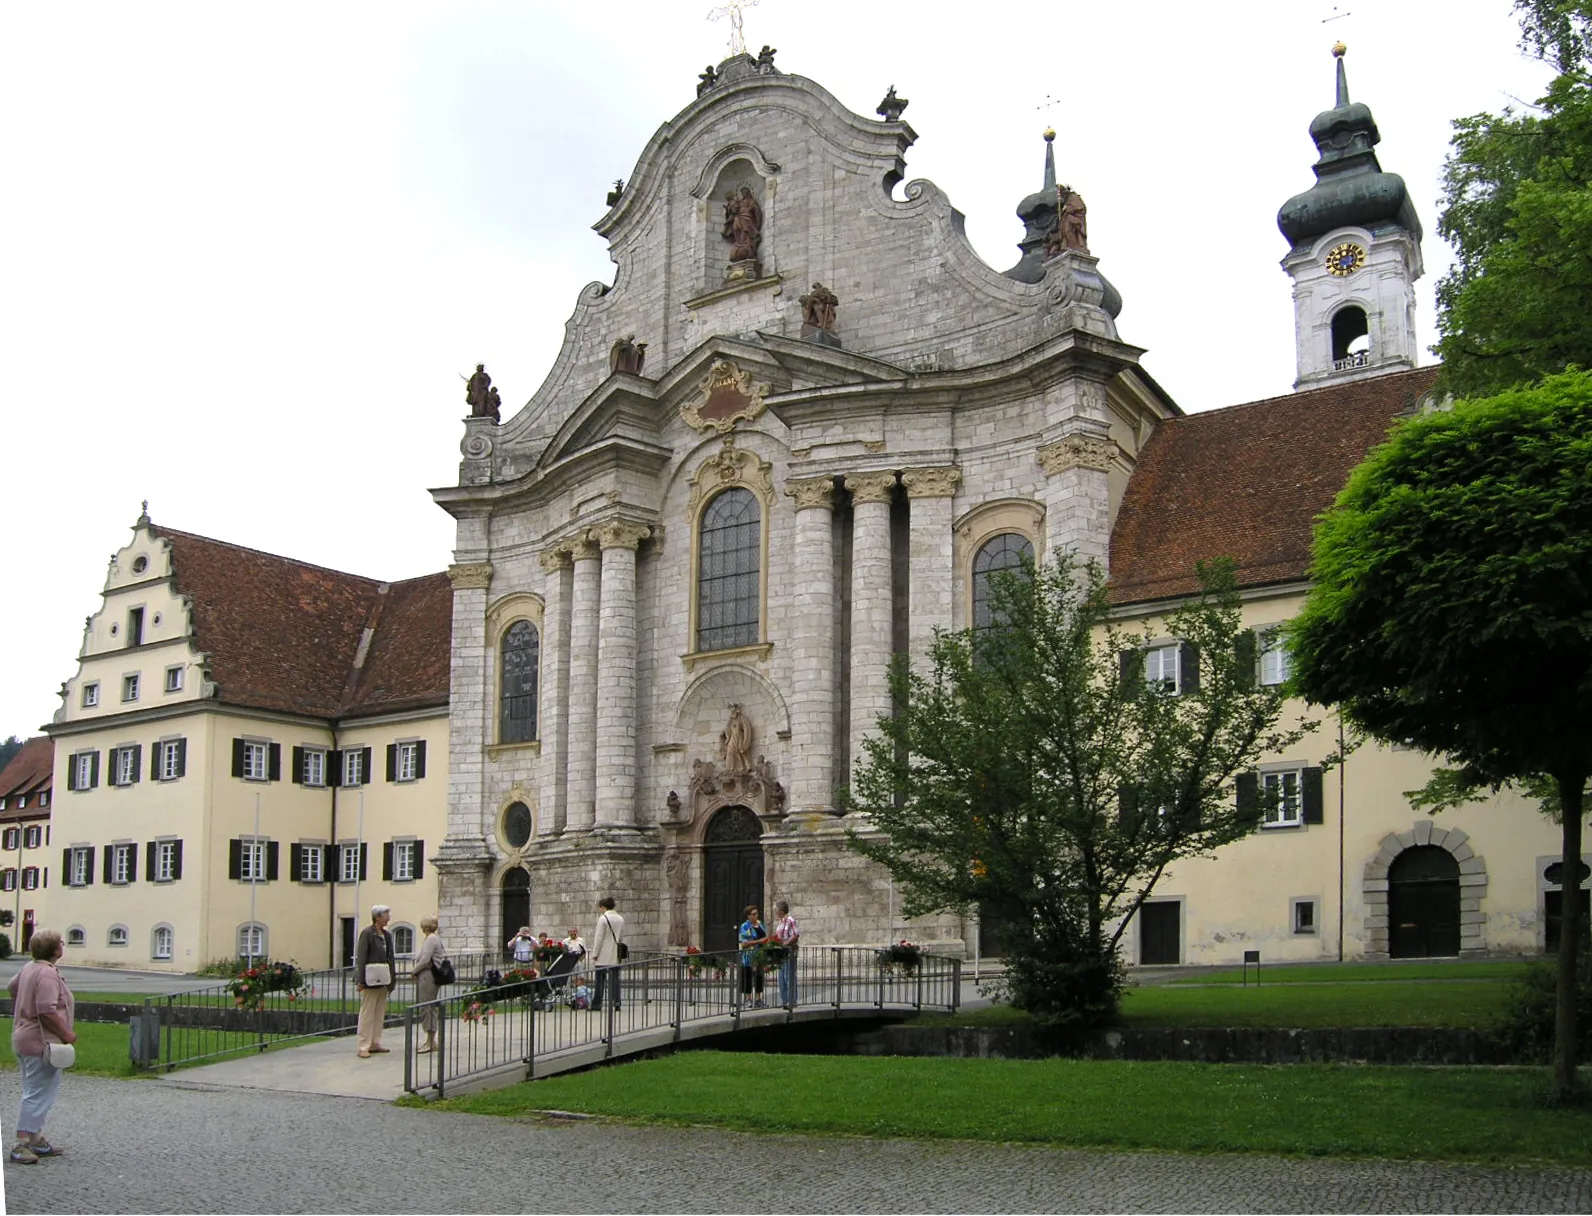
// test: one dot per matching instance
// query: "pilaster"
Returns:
(463, 860)
(1077, 459)
(812, 633)
(581, 731)
(871, 600)
(552, 778)
(932, 494)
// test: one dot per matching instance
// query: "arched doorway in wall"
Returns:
(515, 893)
(1423, 903)
(732, 874)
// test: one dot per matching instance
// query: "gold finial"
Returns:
(1050, 134)
(1339, 50)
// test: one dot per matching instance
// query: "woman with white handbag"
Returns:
(373, 973)
(41, 1036)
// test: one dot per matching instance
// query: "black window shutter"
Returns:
(364, 853)
(275, 772)
(298, 766)
(365, 773)
(105, 861)
(110, 765)
(138, 762)
(66, 863)
(1127, 803)
(295, 861)
(88, 874)
(1249, 797)
(272, 854)
(386, 862)
(420, 858)
(420, 759)
(235, 859)
(71, 775)
(182, 757)
(149, 861)
(1247, 647)
(1312, 798)
(1188, 667)
(176, 861)
(392, 762)
(93, 770)
(132, 863)
(334, 768)
(237, 757)
(1131, 663)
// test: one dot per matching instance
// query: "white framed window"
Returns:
(256, 761)
(1304, 917)
(403, 861)
(33, 837)
(354, 766)
(85, 770)
(1283, 796)
(314, 766)
(130, 687)
(174, 679)
(82, 872)
(90, 695)
(1276, 664)
(8, 879)
(117, 936)
(252, 861)
(348, 863)
(403, 939)
(75, 936)
(30, 878)
(165, 867)
(13, 839)
(406, 767)
(170, 759)
(251, 940)
(22, 802)
(44, 798)
(124, 767)
(1161, 668)
(161, 942)
(312, 863)
(121, 864)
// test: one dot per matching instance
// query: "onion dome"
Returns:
(1351, 189)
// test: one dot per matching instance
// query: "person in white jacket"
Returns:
(605, 952)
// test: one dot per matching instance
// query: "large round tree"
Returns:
(1452, 610)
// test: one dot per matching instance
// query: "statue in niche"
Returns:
(891, 107)
(707, 80)
(677, 868)
(735, 743)
(627, 355)
(743, 224)
(673, 803)
(776, 799)
(1072, 224)
(818, 310)
(478, 394)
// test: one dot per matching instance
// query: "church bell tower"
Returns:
(1355, 253)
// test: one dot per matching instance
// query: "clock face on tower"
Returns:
(1343, 260)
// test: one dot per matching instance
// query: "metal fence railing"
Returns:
(479, 1030)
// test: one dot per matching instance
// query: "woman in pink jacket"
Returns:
(42, 1012)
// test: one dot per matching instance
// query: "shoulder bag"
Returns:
(60, 1055)
(624, 950)
(442, 971)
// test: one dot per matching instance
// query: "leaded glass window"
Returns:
(522, 648)
(728, 593)
(1008, 551)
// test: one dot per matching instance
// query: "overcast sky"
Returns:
(251, 250)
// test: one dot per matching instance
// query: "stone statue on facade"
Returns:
(677, 869)
(818, 309)
(707, 80)
(891, 107)
(1072, 224)
(494, 404)
(478, 393)
(627, 355)
(617, 192)
(704, 777)
(735, 743)
(673, 804)
(765, 60)
(743, 224)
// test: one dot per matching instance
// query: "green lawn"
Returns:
(101, 1049)
(1362, 973)
(1494, 1116)
(1394, 1003)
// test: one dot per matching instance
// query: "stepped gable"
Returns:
(28, 773)
(1247, 482)
(407, 663)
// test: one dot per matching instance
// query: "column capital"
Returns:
(470, 576)
(582, 547)
(555, 558)
(812, 493)
(870, 487)
(932, 483)
(1077, 452)
(621, 534)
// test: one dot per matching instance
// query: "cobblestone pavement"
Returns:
(140, 1146)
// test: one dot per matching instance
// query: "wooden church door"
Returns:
(732, 868)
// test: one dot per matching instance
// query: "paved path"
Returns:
(143, 1146)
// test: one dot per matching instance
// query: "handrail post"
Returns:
(835, 950)
(409, 1049)
(439, 1058)
(956, 984)
(679, 995)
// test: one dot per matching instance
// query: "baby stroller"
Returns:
(553, 986)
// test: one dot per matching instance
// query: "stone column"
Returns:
(581, 722)
(871, 601)
(464, 860)
(552, 708)
(616, 674)
(930, 578)
(1077, 464)
(812, 643)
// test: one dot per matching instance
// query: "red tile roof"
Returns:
(28, 773)
(1247, 482)
(285, 635)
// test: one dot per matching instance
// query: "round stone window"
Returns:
(517, 825)
(140, 564)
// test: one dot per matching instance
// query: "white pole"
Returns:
(359, 847)
(256, 858)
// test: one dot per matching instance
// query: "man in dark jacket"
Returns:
(374, 950)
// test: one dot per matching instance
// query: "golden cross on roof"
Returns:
(732, 10)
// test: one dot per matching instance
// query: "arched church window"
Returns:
(1007, 551)
(729, 544)
(1351, 337)
(522, 648)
